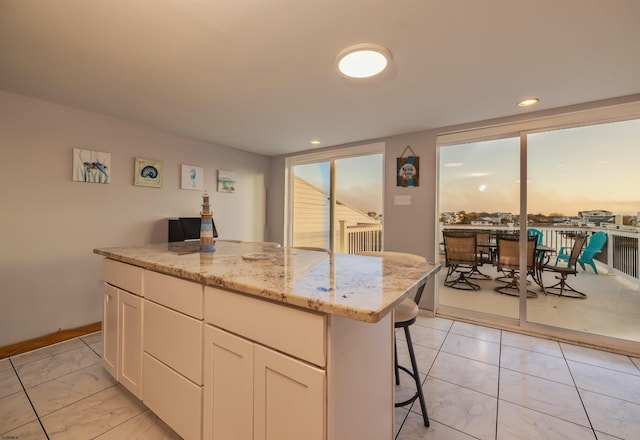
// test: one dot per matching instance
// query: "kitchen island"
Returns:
(254, 342)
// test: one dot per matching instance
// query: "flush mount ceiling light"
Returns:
(528, 102)
(315, 142)
(363, 60)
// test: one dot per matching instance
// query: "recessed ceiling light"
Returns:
(527, 102)
(315, 142)
(363, 60)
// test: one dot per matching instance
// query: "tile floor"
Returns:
(479, 383)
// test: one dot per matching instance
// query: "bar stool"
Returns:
(405, 315)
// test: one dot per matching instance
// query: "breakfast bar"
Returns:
(256, 342)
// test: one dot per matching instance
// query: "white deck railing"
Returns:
(359, 238)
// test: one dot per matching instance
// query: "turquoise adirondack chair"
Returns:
(593, 248)
(534, 231)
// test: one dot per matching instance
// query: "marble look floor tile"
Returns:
(531, 343)
(5, 365)
(460, 408)
(49, 368)
(611, 383)
(46, 352)
(551, 398)
(57, 393)
(424, 357)
(603, 436)
(93, 416)
(92, 338)
(467, 373)
(9, 383)
(143, 426)
(612, 416)
(414, 429)
(519, 423)
(29, 431)
(436, 322)
(536, 364)
(636, 362)
(97, 348)
(400, 414)
(425, 336)
(476, 331)
(15, 410)
(479, 350)
(600, 358)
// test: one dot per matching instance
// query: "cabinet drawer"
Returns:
(177, 401)
(181, 295)
(293, 331)
(175, 339)
(122, 275)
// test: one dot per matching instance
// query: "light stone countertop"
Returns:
(356, 287)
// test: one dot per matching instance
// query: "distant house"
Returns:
(311, 215)
(596, 217)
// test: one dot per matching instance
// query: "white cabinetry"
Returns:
(122, 325)
(172, 363)
(289, 398)
(257, 369)
(252, 391)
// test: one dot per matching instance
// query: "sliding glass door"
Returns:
(335, 200)
(584, 181)
(561, 184)
(479, 193)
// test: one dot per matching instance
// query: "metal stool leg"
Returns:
(395, 350)
(416, 376)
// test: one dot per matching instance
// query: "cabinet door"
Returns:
(110, 329)
(228, 386)
(130, 338)
(289, 398)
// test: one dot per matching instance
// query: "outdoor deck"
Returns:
(612, 307)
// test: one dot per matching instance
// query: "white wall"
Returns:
(49, 224)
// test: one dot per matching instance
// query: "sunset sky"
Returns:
(358, 180)
(570, 170)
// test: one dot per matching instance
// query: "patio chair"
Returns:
(484, 255)
(537, 233)
(508, 262)
(460, 258)
(593, 248)
(561, 288)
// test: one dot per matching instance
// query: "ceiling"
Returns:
(260, 75)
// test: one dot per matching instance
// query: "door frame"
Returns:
(328, 155)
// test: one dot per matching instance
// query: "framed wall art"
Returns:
(91, 166)
(226, 181)
(192, 177)
(148, 172)
(408, 171)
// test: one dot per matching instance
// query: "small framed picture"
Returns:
(91, 166)
(226, 181)
(192, 177)
(148, 172)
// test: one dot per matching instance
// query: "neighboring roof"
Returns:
(344, 211)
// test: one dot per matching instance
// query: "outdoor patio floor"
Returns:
(612, 306)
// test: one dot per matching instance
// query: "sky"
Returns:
(358, 180)
(570, 170)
